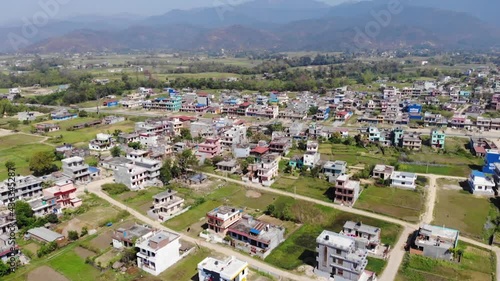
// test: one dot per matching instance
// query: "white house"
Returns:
(403, 180)
(158, 252)
(102, 142)
(480, 183)
(311, 157)
(231, 269)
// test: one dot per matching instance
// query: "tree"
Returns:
(186, 134)
(166, 171)
(313, 110)
(73, 235)
(13, 125)
(135, 145)
(52, 218)
(302, 145)
(41, 163)
(4, 269)
(336, 138)
(24, 214)
(82, 114)
(217, 159)
(116, 151)
(84, 232)
(186, 160)
(116, 133)
(10, 165)
(315, 171)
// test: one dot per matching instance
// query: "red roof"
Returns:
(184, 118)
(479, 149)
(239, 122)
(202, 94)
(245, 104)
(260, 149)
(342, 113)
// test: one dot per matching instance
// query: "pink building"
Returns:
(211, 147)
(65, 194)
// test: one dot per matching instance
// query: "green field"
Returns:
(86, 134)
(20, 155)
(185, 269)
(476, 264)
(73, 267)
(307, 186)
(463, 211)
(300, 246)
(399, 203)
(376, 265)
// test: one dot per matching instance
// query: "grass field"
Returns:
(73, 267)
(476, 264)
(185, 269)
(18, 139)
(463, 211)
(376, 265)
(86, 134)
(399, 203)
(457, 171)
(311, 187)
(300, 246)
(20, 155)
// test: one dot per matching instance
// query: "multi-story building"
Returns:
(366, 236)
(323, 113)
(479, 183)
(403, 180)
(7, 222)
(172, 103)
(65, 194)
(234, 136)
(255, 237)
(312, 156)
(346, 191)
(334, 169)
(435, 242)
(231, 269)
(158, 252)
(338, 257)
(26, 188)
(221, 218)
(280, 145)
(45, 205)
(165, 205)
(438, 138)
(267, 168)
(383, 172)
(126, 237)
(47, 128)
(210, 148)
(102, 142)
(412, 141)
(76, 169)
(139, 174)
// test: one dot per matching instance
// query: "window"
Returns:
(338, 252)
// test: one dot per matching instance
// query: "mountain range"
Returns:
(281, 25)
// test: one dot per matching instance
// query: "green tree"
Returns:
(313, 110)
(52, 218)
(13, 125)
(84, 232)
(4, 269)
(10, 165)
(186, 160)
(42, 163)
(166, 171)
(135, 145)
(186, 134)
(82, 114)
(73, 235)
(116, 151)
(24, 214)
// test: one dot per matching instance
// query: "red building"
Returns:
(65, 194)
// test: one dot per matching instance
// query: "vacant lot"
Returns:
(71, 265)
(45, 273)
(450, 170)
(399, 203)
(476, 264)
(463, 211)
(20, 155)
(186, 268)
(307, 186)
(18, 139)
(86, 134)
(300, 246)
(376, 265)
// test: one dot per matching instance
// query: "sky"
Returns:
(15, 11)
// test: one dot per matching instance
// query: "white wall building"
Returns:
(158, 252)
(479, 183)
(311, 157)
(231, 269)
(403, 180)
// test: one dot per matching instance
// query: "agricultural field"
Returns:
(399, 203)
(476, 264)
(307, 186)
(457, 208)
(300, 246)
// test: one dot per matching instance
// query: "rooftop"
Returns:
(45, 234)
(362, 227)
(164, 194)
(335, 240)
(227, 268)
(259, 230)
(157, 241)
(439, 231)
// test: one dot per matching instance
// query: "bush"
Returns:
(115, 188)
(52, 218)
(199, 201)
(46, 249)
(73, 235)
(84, 232)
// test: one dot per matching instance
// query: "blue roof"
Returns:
(476, 173)
(93, 170)
(254, 231)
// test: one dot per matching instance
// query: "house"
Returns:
(231, 269)
(230, 166)
(45, 205)
(412, 141)
(139, 174)
(434, 242)
(479, 183)
(366, 236)
(220, 219)
(6, 249)
(158, 252)
(197, 179)
(478, 146)
(403, 180)
(26, 188)
(109, 120)
(266, 169)
(76, 169)
(340, 259)
(7, 222)
(125, 238)
(241, 151)
(110, 103)
(137, 154)
(210, 148)
(45, 235)
(255, 237)
(383, 172)
(334, 169)
(280, 145)
(62, 114)
(65, 194)
(27, 116)
(346, 191)
(296, 162)
(437, 138)
(312, 156)
(172, 103)
(491, 157)
(102, 142)
(166, 205)
(47, 128)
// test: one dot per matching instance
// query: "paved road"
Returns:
(95, 188)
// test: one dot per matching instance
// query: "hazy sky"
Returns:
(16, 10)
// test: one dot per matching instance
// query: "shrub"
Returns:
(73, 235)
(84, 232)
(115, 188)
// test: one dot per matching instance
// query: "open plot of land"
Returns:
(32, 247)
(476, 264)
(376, 265)
(46, 273)
(83, 253)
(399, 203)
(300, 246)
(463, 211)
(20, 155)
(107, 257)
(186, 268)
(87, 134)
(18, 139)
(311, 187)
(91, 219)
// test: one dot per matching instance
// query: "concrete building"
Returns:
(255, 237)
(65, 194)
(125, 238)
(45, 235)
(165, 205)
(231, 269)
(403, 180)
(158, 252)
(102, 142)
(383, 172)
(312, 156)
(221, 218)
(338, 257)
(234, 136)
(412, 141)
(139, 175)
(334, 169)
(366, 236)
(438, 138)
(479, 183)
(7, 222)
(346, 191)
(210, 148)
(435, 242)
(26, 188)
(76, 169)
